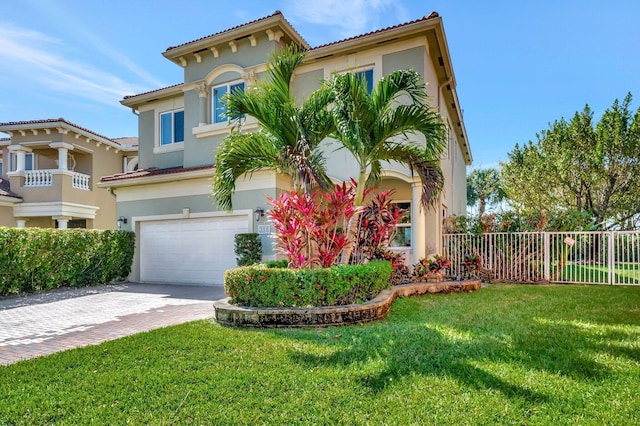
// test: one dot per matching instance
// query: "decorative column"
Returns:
(203, 91)
(63, 221)
(21, 153)
(418, 228)
(249, 79)
(63, 152)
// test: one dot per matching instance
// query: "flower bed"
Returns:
(228, 314)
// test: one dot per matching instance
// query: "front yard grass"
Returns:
(509, 354)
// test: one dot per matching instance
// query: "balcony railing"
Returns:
(80, 181)
(39, 178)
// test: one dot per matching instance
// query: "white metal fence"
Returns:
(558, 257)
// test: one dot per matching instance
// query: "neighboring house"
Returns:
(49, 170)
(182, 236)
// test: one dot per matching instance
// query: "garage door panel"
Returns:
(194, 251)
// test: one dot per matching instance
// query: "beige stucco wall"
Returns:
(88, 156)
(6, 216)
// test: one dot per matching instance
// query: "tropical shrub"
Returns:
(248, 249)
(33, 259)
(400, 271)
(309, 226)
(377, 226)
(424, 267)
(280, 263)
(260, 286)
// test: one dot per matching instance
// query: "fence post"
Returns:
(546, 249)
(610, 257)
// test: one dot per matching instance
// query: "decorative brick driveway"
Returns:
(53, 321)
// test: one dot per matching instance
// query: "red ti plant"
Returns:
(293, 216)
(329, 236)
(377, 226)
(309, 227)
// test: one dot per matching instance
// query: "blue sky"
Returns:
(519, 65)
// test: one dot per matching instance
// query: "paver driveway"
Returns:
(53, 321)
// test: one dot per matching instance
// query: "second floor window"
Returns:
(219, 107)
(171, 127)
(367, 76)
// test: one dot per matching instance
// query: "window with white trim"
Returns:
(367, 76)
(402, 238)
(171, 127)
(29, 161)
(217, 98)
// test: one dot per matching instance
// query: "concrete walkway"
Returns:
(53, 321)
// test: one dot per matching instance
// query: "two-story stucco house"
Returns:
(182, 235)
(49, 170)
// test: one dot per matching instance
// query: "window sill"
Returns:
(169, 148)
(217, 129)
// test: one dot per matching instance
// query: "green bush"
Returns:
(33, 259)
(248, 248)
(282, 263)
(261, 286)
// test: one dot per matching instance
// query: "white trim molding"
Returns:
(55, 208)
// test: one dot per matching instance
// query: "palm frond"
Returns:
(239, 154)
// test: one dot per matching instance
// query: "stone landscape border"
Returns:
(228, 314)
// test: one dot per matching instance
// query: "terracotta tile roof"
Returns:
(432, 15)
(276, 13)
(53, 121)
(151, 91)
(5, 190)
(127, 140)
(154, 171)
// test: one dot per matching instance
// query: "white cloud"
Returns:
(32, 57)
(352, 17)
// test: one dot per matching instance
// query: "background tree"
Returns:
(375, 127)
(484, 187)
(289, 137)
(577, 166)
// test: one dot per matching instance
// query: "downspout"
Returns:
(440, 90)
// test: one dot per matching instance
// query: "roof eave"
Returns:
(376, 37)
(137, 100)
(65, 125)
(10, 199)
(174, 53)
(143, 180)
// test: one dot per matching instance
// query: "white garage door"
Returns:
(189, 251)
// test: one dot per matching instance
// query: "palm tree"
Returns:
(290, 135)
(376, 127)
(483, 186)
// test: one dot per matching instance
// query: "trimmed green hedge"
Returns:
(260, 286)
(281, 263)
(33, 259)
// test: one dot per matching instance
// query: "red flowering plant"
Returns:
(377, 226)
(309, 227)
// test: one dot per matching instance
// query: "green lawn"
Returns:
(625, 273)
(509, 354)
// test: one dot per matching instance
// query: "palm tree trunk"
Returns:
(352, 227)
(481, 207)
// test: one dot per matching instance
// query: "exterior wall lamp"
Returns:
(258, 213)
(121, 221)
